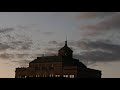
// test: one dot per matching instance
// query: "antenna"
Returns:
(66, 40)
(66, 37)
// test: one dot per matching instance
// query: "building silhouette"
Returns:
(62, 65)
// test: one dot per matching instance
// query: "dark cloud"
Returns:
(4, 46)
(53, 42)
(98, 51)
(5, 30)
(99, 44)
(14, 41)
(6, 56)
(93, 51)
(16, 45)
(91, 15)
(98, 56)
(111, 22)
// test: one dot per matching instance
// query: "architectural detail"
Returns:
(63, 65)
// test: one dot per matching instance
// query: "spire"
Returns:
(66, 41)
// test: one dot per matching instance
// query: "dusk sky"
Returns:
(93, 36)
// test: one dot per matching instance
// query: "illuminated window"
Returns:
(51, 75)
(57, 75)
(71, 76)
(65, 76)
(44, 75)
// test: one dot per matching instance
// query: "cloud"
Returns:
(99, 44)
(10, 37)
(57, 43)
(4, 46)
(13, 43)
(26, 55)
(91, 15)
(16, 45)
(5, 30)
(98, 51)
(23, 27)
(90, 52)
(51, 50)
(48, 33)
(23, 45)
(6, 56)
(108, 23)
(24, 59)
(22, 63)
(26, 27)
(53, 42)
(98, 56)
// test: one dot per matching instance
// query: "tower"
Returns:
(65, 51)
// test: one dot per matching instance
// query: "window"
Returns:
(44, 75)
(37, 75)
(71, 76)
(51, 75)
(57, 75)
(65, 76)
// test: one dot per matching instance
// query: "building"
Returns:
(62, 65)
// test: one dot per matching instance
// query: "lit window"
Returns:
(51, 75)
(71, 76)
(57, 75)
(44, 75)
(65, 76)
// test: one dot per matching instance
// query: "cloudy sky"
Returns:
(93, 36)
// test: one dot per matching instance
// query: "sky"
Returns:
(93, 36)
